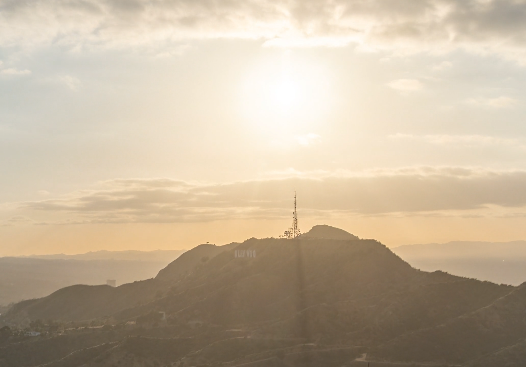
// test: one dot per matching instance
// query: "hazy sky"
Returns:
(134, 124)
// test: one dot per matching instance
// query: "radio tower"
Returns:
(294, 231)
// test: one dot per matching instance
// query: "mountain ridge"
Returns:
(125, 255)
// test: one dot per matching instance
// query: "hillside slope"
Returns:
(82, 302)
(190, 259)
(467, 337)
(510, 356)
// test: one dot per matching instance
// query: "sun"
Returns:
(286, 93)
(284, 98)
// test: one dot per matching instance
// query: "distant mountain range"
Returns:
(34, 277)
(498, 262)
(156, 255)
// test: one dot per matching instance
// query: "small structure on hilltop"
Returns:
(293, 231)
(111, 282)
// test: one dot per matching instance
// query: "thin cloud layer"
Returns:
(493, 26)
(406, 85)
(410, 192)
(461, 140)
(497, 102)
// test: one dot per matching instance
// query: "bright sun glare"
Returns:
(286, 93)
(286, 97)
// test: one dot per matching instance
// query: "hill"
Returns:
(315, 301)
(327, 232)
(496, 262)
(467, 337)
(510, 356)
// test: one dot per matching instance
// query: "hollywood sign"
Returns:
(245, 253)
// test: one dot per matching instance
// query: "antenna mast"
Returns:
(294, 231)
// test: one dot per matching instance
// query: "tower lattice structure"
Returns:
(293, 231)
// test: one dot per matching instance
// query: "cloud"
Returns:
(483, 26)
(288, 142)
(444, 65)
(502, 102)
(471, 140)
(406, 85)
(13, 71)
(410, 191)
(497, 103)
(17, 220)
(173, 52)
(308, 139)
(71, 82)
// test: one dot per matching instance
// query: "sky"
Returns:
(155, 124)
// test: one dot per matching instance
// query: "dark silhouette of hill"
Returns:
(312, 301)
(46, 350)
(511, 356)
(503, 262)
(187, 262)
(328, 232)
(148, 351)
(81, 357)
(470, 336)
(82, 302)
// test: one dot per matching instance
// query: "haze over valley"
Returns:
(39, 276)
(503, 262)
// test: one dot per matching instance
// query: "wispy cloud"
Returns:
(444, 65)
(288, 142)
(16, 220)
(70, 82)
(410, 191)
(308, 139)
(497, 102)
(502, 102)
(470, 140)
(406, 85)
(13, 71)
